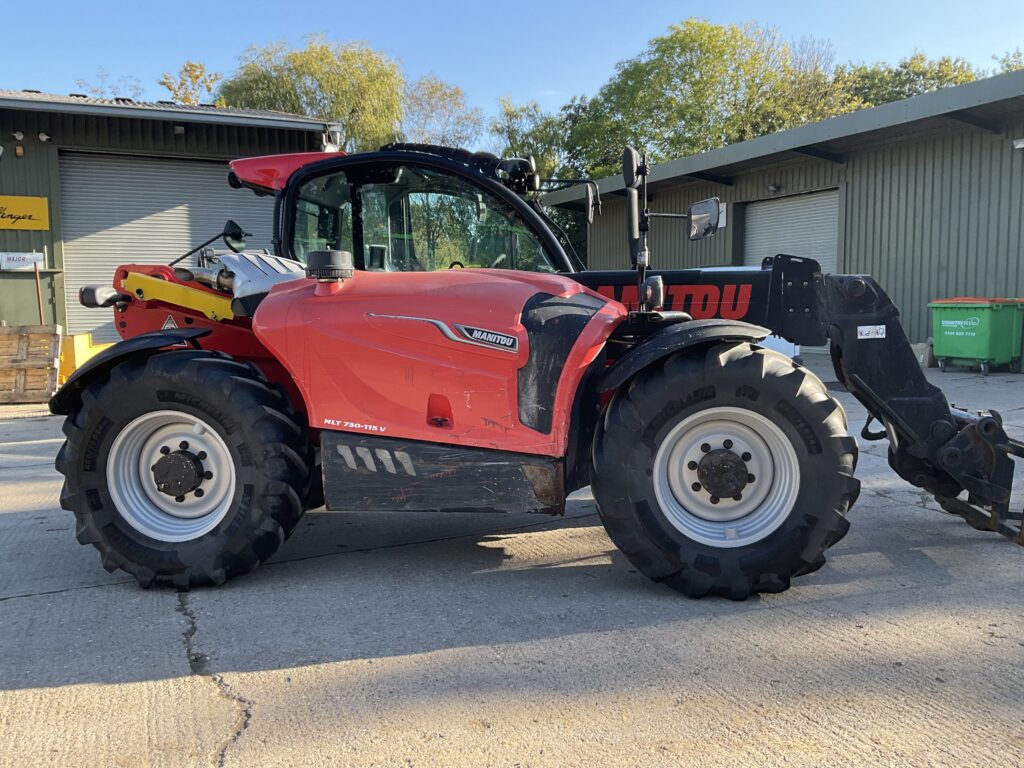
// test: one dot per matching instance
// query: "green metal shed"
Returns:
(91, 183)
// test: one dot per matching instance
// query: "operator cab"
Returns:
(412, 216)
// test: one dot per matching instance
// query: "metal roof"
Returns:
(159, 110)
(984, 105)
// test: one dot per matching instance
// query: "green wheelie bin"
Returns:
(977, 332)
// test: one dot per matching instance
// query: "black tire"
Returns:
(739, 376)
(269, 451)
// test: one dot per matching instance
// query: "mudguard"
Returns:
(68, 397)
(674, 338)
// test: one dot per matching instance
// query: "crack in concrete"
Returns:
(199, 664)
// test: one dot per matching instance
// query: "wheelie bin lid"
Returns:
(972, 301)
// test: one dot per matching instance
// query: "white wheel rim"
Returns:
(764, 503)
(133, 488)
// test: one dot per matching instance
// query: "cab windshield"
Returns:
(407, 218)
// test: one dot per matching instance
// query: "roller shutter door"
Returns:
(801, 225)
(118, 209)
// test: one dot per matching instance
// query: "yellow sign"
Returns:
(20, 212)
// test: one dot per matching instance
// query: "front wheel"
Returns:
(726, 471)
(184, 468)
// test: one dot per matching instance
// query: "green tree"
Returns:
(191, 82)
(698, 87)
(1011, 61)
(881, 83)
(521, 130)
(348, 84)
(436, 113)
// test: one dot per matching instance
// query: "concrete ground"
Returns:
(475, 640)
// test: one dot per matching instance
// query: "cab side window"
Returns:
(409, 219)
(323, 217)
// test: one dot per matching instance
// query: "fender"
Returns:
(673, 339)
(69, 397)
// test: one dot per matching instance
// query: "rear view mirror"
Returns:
(633, 223)
(234, 236)
(588, 204)
(630, 165)
(703, 218)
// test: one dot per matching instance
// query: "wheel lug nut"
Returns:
(746, 456)
(179, 499)
(705, 448)
(199, 493)
(692, 465)
(208, 475)
(727, 444)
(738, 497)
(201, 455)
(750, 478)
(714, 499)
(695, 486)
(165, 450)
(183, 445)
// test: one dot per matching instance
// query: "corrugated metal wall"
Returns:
(938, 217)
(929, 217)
(37, 174)
(670, 248)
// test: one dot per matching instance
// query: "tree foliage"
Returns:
(436, 113)
(192, 84)
(522, 130)
(104, 86)
(1011, 61)
(701, 86)
(880, 83)
(348, 84)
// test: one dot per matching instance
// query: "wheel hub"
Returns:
(178, 473)
(726, 476)
(171, 476)
(722, 473)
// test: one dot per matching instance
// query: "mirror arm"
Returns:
(197, 248)
(668, 215)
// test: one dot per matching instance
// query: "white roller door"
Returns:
(118, 209)
(801, 225)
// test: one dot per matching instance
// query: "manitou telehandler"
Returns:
(424, 338)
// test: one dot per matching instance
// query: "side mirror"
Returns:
(633, 223)
(234, 236)
(703, 218)
(630, 165)
(588, 204)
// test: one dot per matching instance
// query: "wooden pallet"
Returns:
(29, 362)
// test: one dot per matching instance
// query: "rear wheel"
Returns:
(726, 471)
(184, 468)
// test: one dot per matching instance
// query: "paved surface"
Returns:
(480, 640)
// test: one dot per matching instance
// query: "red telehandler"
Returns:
(424, 338)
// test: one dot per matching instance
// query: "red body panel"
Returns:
(369, 356)
(272, 171)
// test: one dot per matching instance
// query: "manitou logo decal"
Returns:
(490, 338)
(730, 301)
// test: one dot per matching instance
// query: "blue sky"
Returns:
(546, 51)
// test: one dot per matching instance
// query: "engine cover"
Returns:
(476, 357)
